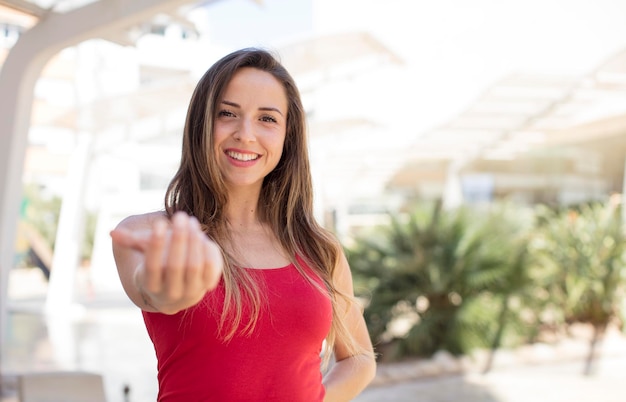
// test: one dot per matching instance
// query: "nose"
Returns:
(245, 131)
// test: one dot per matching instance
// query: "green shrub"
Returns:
(447, 274)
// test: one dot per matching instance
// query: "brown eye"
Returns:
(268, 119)
(225, 113)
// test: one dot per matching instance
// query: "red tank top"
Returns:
(279, 361)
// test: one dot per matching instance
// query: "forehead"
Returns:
(251, 83)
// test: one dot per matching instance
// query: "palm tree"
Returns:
(444, 272)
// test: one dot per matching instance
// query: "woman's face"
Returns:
(250, 127)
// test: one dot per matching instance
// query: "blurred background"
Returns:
(470, 155)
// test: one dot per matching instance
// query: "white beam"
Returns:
(18, 76)
(25, 7)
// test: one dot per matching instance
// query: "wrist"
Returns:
(146, 301)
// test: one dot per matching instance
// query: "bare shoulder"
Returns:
(342, 273)
(141, 221)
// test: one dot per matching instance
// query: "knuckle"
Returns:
(173, 293)
(213, 277)
(193, 269)
(151, 287)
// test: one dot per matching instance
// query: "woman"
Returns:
(238, 284)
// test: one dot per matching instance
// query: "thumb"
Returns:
(126, 238)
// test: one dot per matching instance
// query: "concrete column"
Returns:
(61, 288)
(453, 191)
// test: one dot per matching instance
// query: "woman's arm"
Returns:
(165, 266)
(350, 374)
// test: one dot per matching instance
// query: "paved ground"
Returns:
(113, 342)
(538, 383)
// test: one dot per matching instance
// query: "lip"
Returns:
(238, 162)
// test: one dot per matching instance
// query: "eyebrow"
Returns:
(265, 108)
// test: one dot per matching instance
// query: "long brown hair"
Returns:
(285, 202)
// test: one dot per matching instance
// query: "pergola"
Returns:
(525, 109)
(522, 113)
(58, 24)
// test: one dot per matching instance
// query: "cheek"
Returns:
(276, 150)
(280, 141)
(279, 147)
(217, 134)
(218, 138)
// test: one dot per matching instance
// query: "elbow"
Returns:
(366, 364)
(370, 370)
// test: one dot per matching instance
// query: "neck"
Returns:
(242, 208)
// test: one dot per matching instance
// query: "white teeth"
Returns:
(242, 157)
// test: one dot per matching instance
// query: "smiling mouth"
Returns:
(242, 157)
